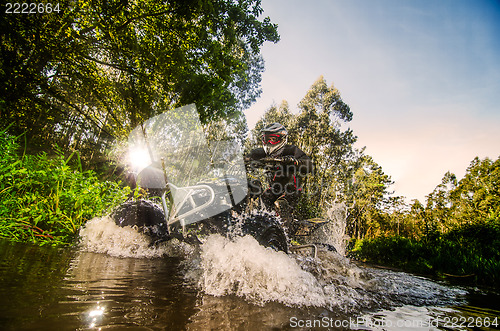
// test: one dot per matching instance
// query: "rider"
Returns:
(284, 176)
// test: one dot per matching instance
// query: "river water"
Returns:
(115, 280)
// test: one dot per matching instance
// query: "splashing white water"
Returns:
(102, 235)
(246, 269)
(242, 267)
(332, 232)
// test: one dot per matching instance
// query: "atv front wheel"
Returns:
(267, 230)
(146, 216)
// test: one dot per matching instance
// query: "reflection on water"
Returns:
(48, 289)
(127, 292)
(30, 280)
(69, 289)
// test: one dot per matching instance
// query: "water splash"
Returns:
(259, 275)
(333, 232)
(247, 269)
(102, 235)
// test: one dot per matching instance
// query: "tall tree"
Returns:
(317, 130)
(365, 197)
(95, 69)
(476, 198)
(439, 204)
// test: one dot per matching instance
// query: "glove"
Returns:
(289, 159)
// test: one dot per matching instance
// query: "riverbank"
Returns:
(46, 199)
(469, 253)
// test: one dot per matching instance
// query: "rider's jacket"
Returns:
(285, 177)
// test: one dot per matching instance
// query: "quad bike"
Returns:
(202, 186)
(166, 223)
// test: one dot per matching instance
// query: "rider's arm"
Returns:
(304, 163)
(252, 159)
(256, 154)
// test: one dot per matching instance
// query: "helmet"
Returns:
(274, 138)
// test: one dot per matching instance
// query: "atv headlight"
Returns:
(138, 158)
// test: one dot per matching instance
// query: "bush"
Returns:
(394, 251)
(44, 200)
(469, 250)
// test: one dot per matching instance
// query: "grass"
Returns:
(45, 200)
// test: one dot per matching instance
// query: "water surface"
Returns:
(114, 280)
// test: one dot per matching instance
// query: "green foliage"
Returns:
(453, 203)
(477, 196)
(44, 200)
(89, 74)
(233, 128)
(473, 199)
(366, 193)
(468, 250)
(457, 232)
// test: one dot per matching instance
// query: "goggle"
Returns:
(271, 139)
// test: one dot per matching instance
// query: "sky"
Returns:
(422, 78)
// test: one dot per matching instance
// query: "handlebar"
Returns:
(266, 161)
